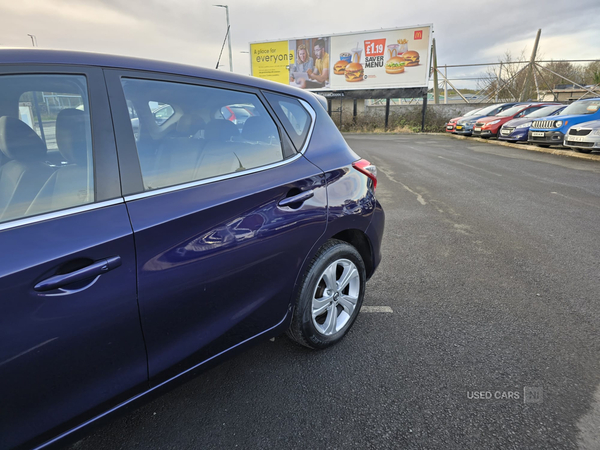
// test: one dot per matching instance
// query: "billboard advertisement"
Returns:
(270, 60)
(380, 59)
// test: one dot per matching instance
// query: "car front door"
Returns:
(222, 219)
(70, 337)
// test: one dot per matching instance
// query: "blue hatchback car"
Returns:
(552, 130)
(134, 258)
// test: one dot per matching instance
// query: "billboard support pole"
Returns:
(387, 112)
(423, 112)
(354, 112)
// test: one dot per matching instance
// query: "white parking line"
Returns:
(376, 309)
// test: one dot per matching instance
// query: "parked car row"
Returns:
(576, 126)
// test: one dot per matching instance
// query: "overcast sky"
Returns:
(192, 31)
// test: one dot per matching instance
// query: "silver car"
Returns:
(584, 137)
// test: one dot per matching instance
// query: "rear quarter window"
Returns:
(296, 120)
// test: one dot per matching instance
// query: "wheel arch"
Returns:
(360, 241)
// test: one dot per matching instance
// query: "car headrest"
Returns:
(258, 128)
(220, 130)
(190, 124)
(19, 141)
(71, 135)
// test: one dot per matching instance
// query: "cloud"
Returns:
(192, 31)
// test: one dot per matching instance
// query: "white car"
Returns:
(584, 137)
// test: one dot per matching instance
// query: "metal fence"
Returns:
(510, 81)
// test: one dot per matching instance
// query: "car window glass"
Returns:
(472, 113)
(237, 114)
(45, 143)
(489, 111)
(581, 107)
(510, 111)
(545, 111)
(529, 111)
(161, 111)
(293, 115)
(209, 132)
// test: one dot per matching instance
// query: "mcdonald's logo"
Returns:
(418, 35)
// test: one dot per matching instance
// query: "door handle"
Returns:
(93, 270)
(298, 198)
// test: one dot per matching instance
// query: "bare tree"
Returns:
(561, 69)
(591, 73)
(505, 81)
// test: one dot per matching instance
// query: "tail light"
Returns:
(365, 167)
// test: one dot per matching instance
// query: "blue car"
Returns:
(133, 259)
(516, 130)
(548, 131)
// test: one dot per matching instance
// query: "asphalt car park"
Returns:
(480, 327)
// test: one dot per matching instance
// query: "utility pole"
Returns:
(436, 98)
(228, 36)
(525, 90)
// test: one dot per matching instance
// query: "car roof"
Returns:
(63, 57)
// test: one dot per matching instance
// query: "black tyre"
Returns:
(330, 296)
(543, 145)
(581, 150)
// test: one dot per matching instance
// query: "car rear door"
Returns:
(222, 219)
(70, 338)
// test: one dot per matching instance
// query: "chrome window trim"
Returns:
(228, 176)
(56, 214)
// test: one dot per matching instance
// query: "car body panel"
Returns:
(329, 151)
(550, 135)
(490, 126)
(585, 136)
(465, 125)
(67, 354)
(515, 131)
(209, 249)
(451, 125)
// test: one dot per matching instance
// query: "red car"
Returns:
(452, 122)
(487, 127)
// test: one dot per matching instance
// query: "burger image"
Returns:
(411, 57)
(340, 67)
(395, 65)
(354, 72)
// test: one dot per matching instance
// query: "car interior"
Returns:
(196, 141)
(45, 145)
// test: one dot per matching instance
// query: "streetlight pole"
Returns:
(228, 36)
(33, 39)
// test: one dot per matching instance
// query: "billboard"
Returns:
(379, 59)
(270, 60)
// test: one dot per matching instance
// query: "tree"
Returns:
(591, 73)
(564, 71)
(505, 81)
